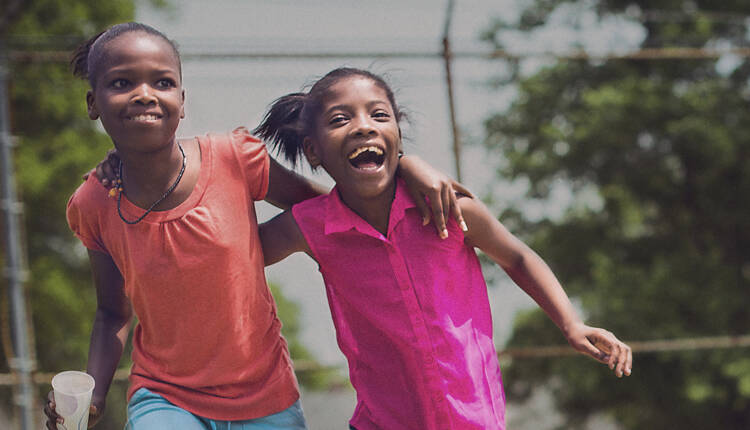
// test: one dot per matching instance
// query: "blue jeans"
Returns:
(150, 411)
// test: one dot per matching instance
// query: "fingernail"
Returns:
(444, 234)
(463, 226)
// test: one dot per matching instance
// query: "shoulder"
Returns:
(88, 210)
(89, 196)
(311, 210)
(471, 206)
(478, 217)
(232, 142)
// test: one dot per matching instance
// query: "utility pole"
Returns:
(21, 364)
(447, 57)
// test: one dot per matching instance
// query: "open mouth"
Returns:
(144, 117)
(367, 157)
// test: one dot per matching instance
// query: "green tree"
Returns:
(664, 249)
(56, 144)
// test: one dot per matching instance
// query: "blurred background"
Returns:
(610, 135)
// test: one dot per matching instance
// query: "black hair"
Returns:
(88, 56)
(292, 117)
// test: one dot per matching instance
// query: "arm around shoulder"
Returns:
(281, 237)
(285, 187)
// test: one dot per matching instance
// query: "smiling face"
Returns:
(138, 92)
(357, 139)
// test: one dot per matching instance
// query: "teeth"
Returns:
(144, 118)
(358, 151)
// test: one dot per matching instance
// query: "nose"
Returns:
(363, 125)
(144, 94)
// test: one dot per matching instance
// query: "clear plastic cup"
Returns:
(72, 391)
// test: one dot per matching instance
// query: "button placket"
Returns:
(419, 327)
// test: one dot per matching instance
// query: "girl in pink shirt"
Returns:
(176, 244)
(413, 321)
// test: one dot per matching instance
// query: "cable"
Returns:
(638, 347)
(672, 53)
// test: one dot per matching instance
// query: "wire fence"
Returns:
(668, 53)
(638, 347)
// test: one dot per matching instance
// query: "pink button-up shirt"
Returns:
(412, 317)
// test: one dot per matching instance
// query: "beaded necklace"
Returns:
(164, 196)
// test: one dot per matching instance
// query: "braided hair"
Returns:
(87, 58)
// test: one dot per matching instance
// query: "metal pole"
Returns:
(447, 56)
(21, 364)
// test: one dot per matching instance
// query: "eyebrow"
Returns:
(125, 69)
(369, 104)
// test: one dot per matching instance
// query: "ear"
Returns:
(309, 149)
(91, 105)
(182, 105)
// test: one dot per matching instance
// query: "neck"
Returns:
(150, 172)
(374, 210)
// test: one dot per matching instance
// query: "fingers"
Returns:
(438, 211)
(459, 188)
(456, 212)
(49, 411)
(625, 361)
(617, 355)
(103, 179)
(94, 415)
(107, 169)
(421, 204)
(108, 172)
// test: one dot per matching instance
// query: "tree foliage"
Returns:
(664, 251)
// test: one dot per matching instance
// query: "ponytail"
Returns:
(282, 126)
(79, 61)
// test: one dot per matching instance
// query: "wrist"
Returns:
(571, 326)
(99, 402)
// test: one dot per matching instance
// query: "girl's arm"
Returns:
(533, 275)
(108, 335)
(281, 237)
(285, 187)
(111, 324)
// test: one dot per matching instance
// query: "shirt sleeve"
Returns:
(81, 222)
(254, 160)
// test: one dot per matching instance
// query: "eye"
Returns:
(381, 115)
(119, 84)
(166, 83)
(337, 119)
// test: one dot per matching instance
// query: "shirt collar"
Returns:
(340, 218)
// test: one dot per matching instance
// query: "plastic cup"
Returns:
(72, 392)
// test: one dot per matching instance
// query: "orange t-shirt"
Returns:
(208, 338)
